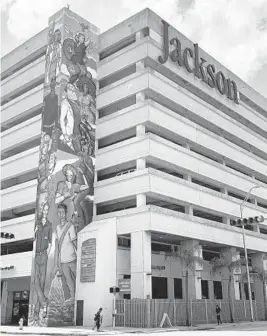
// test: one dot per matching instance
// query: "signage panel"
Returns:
(88, 260)
(190, 59)
(124, 285)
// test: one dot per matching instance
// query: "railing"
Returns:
(140, 313)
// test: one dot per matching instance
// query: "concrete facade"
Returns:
(174, 158)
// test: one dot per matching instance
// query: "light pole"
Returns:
(245, 249)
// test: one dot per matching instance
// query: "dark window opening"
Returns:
(127, 296)
(240, 291)
(115, 77)
(33, 57)
(263, 231)
(124, 242)
(206, 185)
(155, 247)
(159, 288)
(205, 289)
(20, 91)
(126, 276)
(117, 47)
(209, 255)
(246, 291)
(237, 169)
(206, 215)
(262, 205)
(178, 288)
(16, 247)
(117, 106)
(116, 173)
(207, 156)
(237, 196)
(217, 289)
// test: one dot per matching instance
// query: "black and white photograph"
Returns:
(133, 167)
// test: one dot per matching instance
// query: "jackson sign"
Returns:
(206, 72)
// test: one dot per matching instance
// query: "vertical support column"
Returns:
(211, 290)
(64, 202)
(140, 200)
(140, 130)
(141, 281)
(194, 280)
(170, 288)
(188, 177)
(140, 163)
(226, 219)
(4, 302)
(189, 209)
(230, 254)
(258, 264)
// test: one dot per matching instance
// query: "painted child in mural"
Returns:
(43, 240)
(69, 193)
(53, 55)
(65, 252)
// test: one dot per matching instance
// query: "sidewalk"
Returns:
(82, 331)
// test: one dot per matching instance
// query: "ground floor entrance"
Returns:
(15, 300)
(20, 307)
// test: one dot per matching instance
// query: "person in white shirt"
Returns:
(66, 120)
(66, 250)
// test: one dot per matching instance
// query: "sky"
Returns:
(234, 32)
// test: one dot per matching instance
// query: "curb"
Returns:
(103, 332)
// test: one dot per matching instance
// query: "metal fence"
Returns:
(140, 313)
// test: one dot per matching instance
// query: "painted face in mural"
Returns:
(85, 89)
(69, 175)
(61, 213)
(45, 210)
(81, 38)
(57, 36)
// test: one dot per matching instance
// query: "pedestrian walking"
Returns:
(98, 319)
(218, 314)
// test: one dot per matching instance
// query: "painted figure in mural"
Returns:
(66, 251)
(53, 56)
(50, 109)
(69, 192)
(78, 57)
(85, 167)
(43, 238)
(70, 119)
(87, 88)
(47, 164)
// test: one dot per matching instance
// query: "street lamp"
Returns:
(245, 249)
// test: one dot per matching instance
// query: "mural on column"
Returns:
(64, 202)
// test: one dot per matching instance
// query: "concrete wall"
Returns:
(96, 294)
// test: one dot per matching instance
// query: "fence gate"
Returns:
(141, 313)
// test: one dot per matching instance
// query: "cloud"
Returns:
(5, 4)
(232, 31)
(28, 17)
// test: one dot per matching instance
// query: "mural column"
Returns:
(64, 203)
